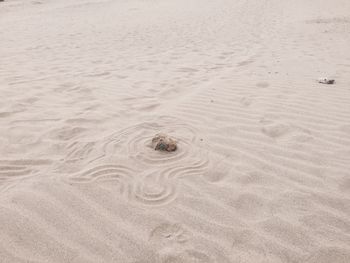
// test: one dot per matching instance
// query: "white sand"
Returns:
(262, 173)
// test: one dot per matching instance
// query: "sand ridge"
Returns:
(261, 173)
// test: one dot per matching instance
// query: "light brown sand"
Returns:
(262, 169)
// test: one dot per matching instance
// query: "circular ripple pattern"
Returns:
(154, 193)
(109, 172)
(136, 140)
(147, 190)
(103, 173)
(155, 181)
(192, 167)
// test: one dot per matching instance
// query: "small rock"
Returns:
(326, 81)
(162, 142)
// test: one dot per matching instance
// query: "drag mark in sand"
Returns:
(154, 177)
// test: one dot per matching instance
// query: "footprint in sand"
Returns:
(345, 129)
(276, 130)
(246, 101)
(330, 254)
(171, 242)
(263, 84)
(187, 256)
(247, 244)
(66, 133)
(251, 206)
(218, 170)
(168, 233)
(344, 185)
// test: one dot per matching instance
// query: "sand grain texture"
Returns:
(261, 173)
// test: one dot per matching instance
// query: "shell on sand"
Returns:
(326, 81)
(162, 142)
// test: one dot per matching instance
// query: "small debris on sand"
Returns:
(162, 142)
(326, 81)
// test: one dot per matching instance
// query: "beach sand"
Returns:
(262, 168)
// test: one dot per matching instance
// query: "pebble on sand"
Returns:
(162, 142)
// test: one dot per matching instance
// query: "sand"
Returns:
(262, 169)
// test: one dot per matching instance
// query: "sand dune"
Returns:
(261, 173)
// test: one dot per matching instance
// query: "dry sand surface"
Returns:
(262, 169)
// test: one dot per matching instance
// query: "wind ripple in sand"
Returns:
(78, 151)
(11, 170)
